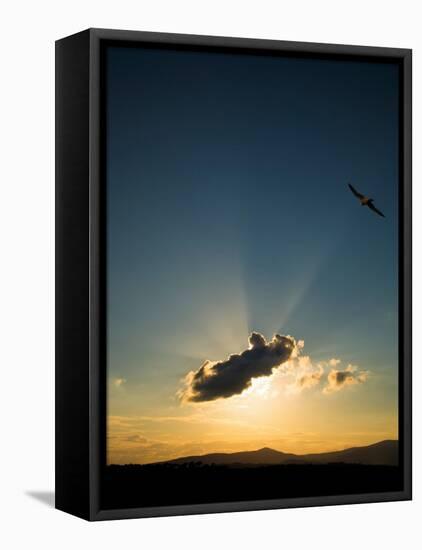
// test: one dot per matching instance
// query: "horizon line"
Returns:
(254, 451)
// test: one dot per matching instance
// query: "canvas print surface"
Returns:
(252, 276)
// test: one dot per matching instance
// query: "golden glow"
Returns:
(275, 411)
(289, 411)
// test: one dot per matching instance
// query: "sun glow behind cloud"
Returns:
(223, 379)
(278, 410)
(264, 366)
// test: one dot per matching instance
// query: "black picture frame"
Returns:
(80, 266)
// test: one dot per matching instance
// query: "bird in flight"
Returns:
(365, 201)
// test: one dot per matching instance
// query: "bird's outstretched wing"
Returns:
(372, 207)
(356, 193)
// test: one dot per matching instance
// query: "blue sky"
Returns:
(229, 211)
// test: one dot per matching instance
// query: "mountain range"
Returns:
(381, 453)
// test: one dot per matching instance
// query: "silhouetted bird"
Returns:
(364, 201)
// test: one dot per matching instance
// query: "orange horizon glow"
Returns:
(280, 411)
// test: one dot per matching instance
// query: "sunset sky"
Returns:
(229, 214)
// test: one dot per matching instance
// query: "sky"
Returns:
(229, 214)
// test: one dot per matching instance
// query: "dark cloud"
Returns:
(338, 379)
(231, 377)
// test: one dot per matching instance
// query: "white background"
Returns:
(28, 31)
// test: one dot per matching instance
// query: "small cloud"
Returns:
(118, 382)
(222, 379)
(339, 379)
(310, 379)
(136, 439)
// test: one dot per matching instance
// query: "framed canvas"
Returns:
(233, 282)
